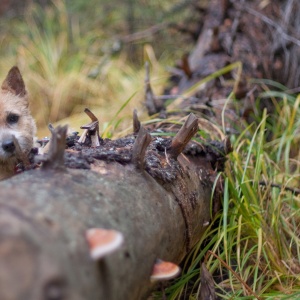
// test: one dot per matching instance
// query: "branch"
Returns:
(184, 135)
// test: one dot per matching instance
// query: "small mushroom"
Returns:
(164, 270)
(103, 241)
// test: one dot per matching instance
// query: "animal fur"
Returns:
(15, 122)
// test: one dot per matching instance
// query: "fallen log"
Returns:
(155, 191)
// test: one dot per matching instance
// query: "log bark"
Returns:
(159, 203)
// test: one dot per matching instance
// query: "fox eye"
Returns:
(12, 118)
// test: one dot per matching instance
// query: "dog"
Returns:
(17, 126)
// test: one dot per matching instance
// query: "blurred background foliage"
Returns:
(76, 54)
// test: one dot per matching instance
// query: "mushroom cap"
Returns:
(103, 241)
(164, 270)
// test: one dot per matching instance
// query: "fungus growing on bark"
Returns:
(103, 241)
(164, 270)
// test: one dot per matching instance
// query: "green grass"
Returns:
(253, 245)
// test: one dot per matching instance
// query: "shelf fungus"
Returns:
(103, 242)
(164, 270)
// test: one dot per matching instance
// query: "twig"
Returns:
(139, 148)
(153, 104)
(234, 29)
(136, 122)
(91, 126)
(184, 135)
(144, 33)
(272, 23)
(91, 130)
(279, 186)
(90, 114)
(167, 97)
(250, 291)
(185, 66)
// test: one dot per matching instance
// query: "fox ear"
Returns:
(14, 82)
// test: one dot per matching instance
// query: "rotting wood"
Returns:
(90, 135)
(161, 210)
(184, 135)
(206, 288)
(136, 122)
(57, 145)
(139, 148)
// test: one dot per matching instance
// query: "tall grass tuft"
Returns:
(253, 246)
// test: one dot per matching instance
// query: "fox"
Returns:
(16, 122)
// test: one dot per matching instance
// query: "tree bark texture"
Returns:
(162, 208)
